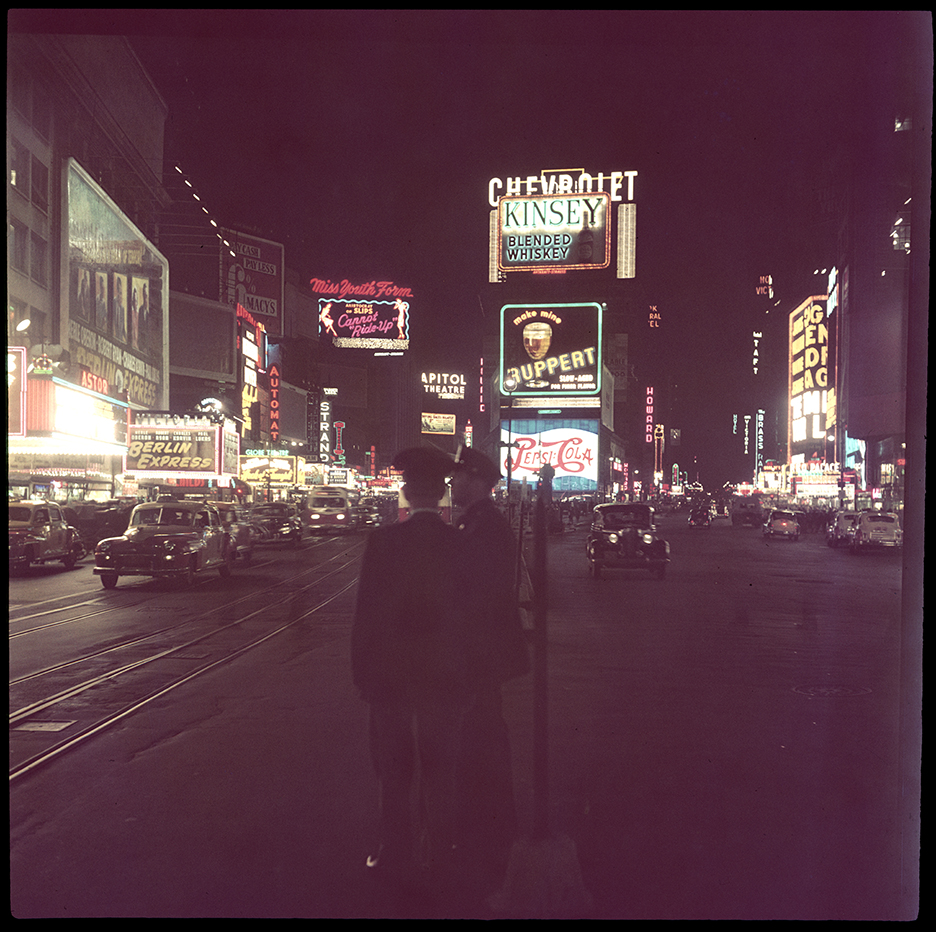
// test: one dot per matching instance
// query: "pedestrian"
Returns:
(497, 654)
(408, 652)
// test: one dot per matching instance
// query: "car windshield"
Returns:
(881, 519)
(328, 503)
(19, 514)
(783, 516)
(150, 517)
(621, 519)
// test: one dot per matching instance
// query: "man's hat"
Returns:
(475, 463)
(422, 465)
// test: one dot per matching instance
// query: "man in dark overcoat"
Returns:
(409, 661)
(497, 653)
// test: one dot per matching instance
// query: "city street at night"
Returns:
(467, 463)
(725, 743)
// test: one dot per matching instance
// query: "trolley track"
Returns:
(58, 708)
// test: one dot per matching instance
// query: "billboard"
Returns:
(570, 446)
(173, 451)
(551, 348)
(371, 315)
(118, 297)
(808, 379)
(554, 231)
(437, 423)
(253, 276)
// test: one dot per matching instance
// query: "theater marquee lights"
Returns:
(808, 378)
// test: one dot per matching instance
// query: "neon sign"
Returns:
(563, 182)
(808, 376)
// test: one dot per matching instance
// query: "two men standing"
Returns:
(436, 632)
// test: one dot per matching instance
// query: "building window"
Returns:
(19, 167)
(41, 113)
(39, 260)
(18, 245)
(40, 185)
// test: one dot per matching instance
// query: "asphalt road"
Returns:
(725, 743)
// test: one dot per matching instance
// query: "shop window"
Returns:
(19, 167)
(18, 245)
(40, 185)
(39, 260)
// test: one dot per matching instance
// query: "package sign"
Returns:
(253, 276)
(172, 451)
(808, 377)
(371, 315)
(438, 423)
(554, 232)
(571, 450)
(551, 349)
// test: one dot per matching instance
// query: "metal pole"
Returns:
(540, 685)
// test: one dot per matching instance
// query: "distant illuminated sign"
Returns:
(438, 423)
(564, 231)
(371, 315)
(648, 415)
(551, 348)
(615, 184)
(446, 385)
(253, 276)
(808, 377)
(173, 451)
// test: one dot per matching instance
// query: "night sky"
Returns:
(364, 140)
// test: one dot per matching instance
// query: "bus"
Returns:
(329, 509)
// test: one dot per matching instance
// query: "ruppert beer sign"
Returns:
(551, 349)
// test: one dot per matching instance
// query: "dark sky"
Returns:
(363, 140)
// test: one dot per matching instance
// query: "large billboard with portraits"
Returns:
(551, 349)
(118, 297)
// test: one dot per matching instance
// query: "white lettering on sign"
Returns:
(565, 182)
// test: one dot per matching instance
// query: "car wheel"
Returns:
(594, 569)
(109, 580)
(228, 565)
(69, 560)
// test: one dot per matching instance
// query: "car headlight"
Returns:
(340, 517)
(613, 538)
(648, 538)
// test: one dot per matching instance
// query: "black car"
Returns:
(166, 539)
(625, 535)
(40, 533)
(700, 517)
(277, 523)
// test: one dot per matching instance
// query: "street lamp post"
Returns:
(510, 386)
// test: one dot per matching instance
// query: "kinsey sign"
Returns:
(554, 231)
(551, 348)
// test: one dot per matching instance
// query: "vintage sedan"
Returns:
(40, 533)
(625, 535)
(278, 523)
(781, 523)
(876, 530)
(166, 539)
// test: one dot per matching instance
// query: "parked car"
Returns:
(277, 523)
(625, 535)
(876, 530)
(166, 539)
(841, 528)
(781, 523)
(236, 521)
(39, 533)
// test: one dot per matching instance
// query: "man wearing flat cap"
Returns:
(497, 653)
(409, 661)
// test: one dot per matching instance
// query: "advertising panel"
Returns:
(551, 348)
(569, 446)
(172, 451)
(118, 297)
(438, 423)
(257, 469)
(253, 276)
(554, 231)
(808, 378)
(371, 315)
